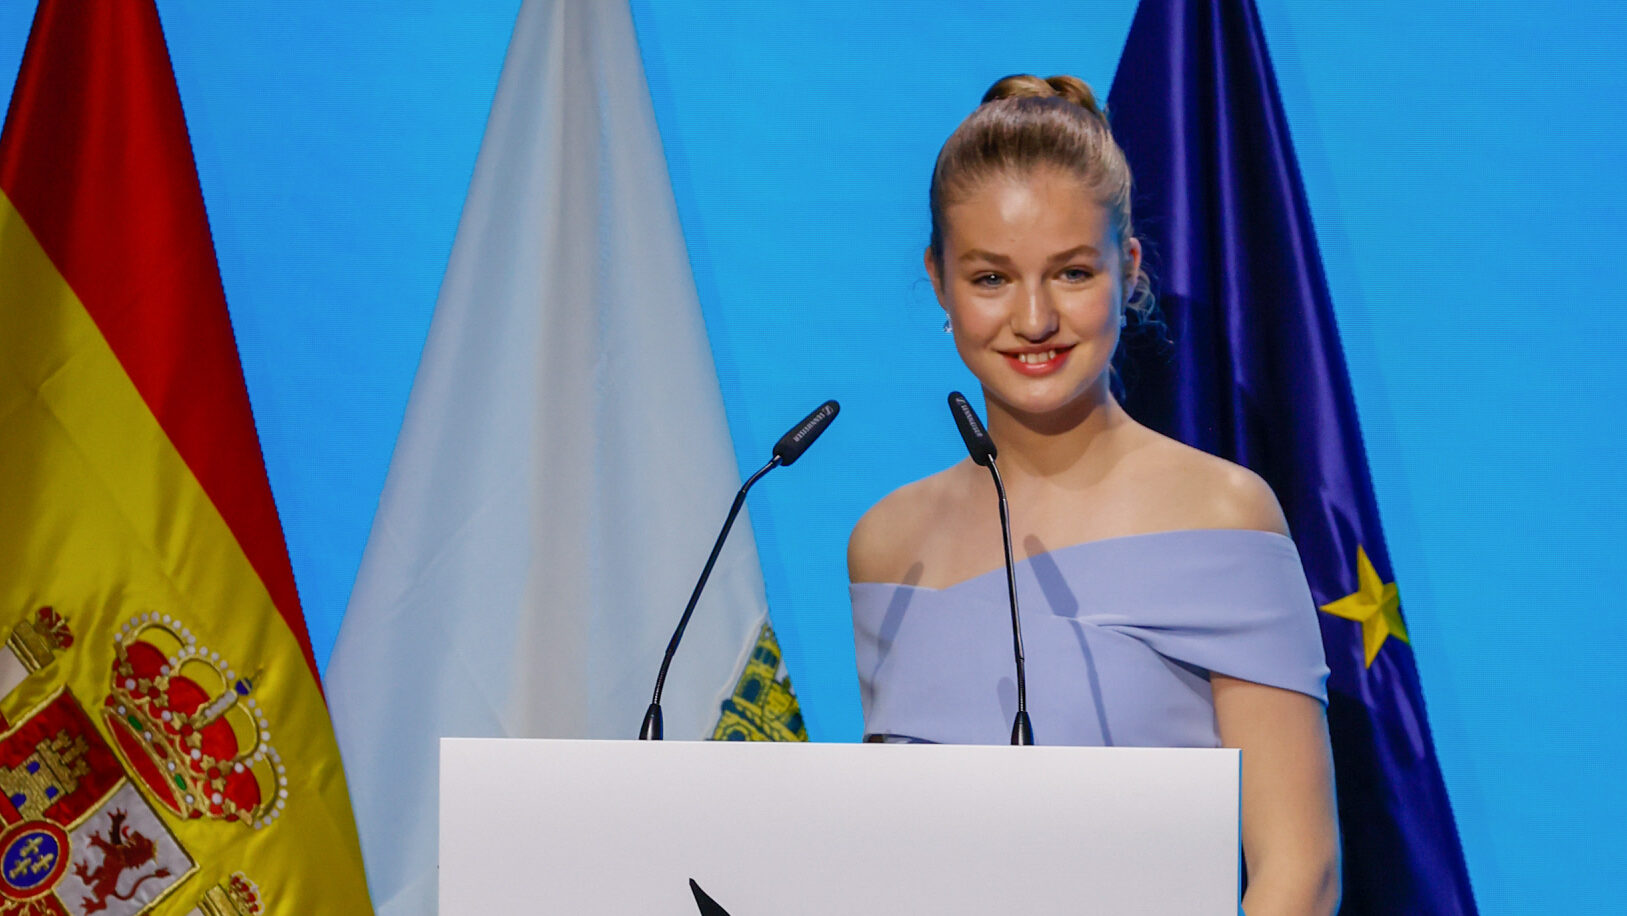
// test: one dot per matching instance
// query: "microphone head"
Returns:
(794, 443)
(978, 443)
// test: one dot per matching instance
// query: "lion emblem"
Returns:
(123, 849)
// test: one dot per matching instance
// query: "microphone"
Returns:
(982, 450)
(972, 432)
(788, 449)
(794, 443)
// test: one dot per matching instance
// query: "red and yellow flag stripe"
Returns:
(134, 504)
(97, 161)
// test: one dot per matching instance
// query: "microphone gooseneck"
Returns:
(1022, 730)
(981, 448)
(788, 449)
(651, 730)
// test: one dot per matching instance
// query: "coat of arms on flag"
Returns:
(80, 828)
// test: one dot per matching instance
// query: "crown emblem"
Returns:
(189, 726)
(236, 896)
(36, 642)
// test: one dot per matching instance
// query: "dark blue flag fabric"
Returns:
(1250, 368)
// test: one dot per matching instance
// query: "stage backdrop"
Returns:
(1462, 164)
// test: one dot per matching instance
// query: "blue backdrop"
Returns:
(1462, 162)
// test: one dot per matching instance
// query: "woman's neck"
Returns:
(1071, 447)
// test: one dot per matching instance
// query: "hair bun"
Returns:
(1028, 86)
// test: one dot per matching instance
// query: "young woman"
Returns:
(1163, 603)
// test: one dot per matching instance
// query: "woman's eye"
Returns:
(1076, 274)
(988, 280)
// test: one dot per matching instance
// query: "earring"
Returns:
(1124, 319)
(948, 326)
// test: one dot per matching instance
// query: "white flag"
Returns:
(563, 467)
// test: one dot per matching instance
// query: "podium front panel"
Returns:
(622, 827)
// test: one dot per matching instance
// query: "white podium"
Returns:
(622, 827)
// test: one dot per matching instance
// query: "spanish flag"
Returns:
(165, 747)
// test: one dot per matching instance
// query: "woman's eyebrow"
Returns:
(1075, 252)
(978, 254)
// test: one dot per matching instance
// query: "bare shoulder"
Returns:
(886, 541)
(1211, 492)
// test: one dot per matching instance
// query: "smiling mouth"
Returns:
(1038, 362)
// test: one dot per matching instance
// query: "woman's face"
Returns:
(1033, 279)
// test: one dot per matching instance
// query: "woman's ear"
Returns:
(1132, 266)
(931, 264)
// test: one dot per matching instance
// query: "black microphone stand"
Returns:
(651, 729)
(787, 450)
(981, 447)
(1022, 730)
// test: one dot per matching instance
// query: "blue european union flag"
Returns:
(1257, 375)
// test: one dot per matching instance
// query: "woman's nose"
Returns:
(1036, 317)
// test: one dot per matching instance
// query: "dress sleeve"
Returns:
(1241, 608)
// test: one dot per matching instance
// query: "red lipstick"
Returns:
(1037, 361)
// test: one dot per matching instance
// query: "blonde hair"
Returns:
(1025, 123)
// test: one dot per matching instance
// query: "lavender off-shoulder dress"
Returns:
(1120, 636)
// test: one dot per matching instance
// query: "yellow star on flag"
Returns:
(1376, 605)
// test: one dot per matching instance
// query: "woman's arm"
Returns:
(1290, 825)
